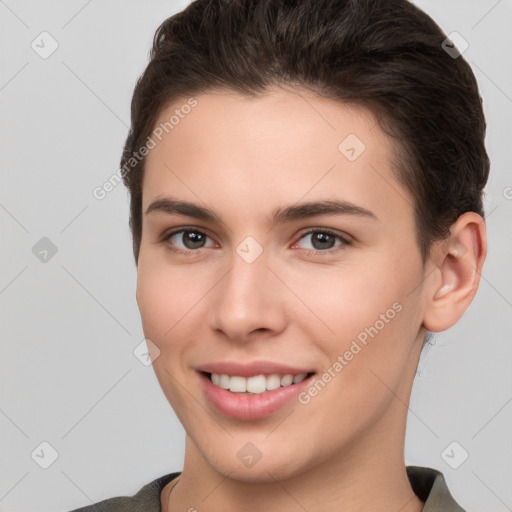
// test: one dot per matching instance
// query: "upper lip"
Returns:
(252, 368)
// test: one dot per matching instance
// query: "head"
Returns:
(249, 108)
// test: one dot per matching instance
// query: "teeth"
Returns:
(257, 384)
(238, 384)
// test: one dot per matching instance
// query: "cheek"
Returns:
(165, 298)
(365, 313)
(367, 355)
(162, 300)
(348, 299)
(172, 301)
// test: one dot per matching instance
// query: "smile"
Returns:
(257, 384)
(236, 400)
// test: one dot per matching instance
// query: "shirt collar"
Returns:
(430, 486)
(427, 483)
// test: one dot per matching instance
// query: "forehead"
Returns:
(275, 148)
(279, 118)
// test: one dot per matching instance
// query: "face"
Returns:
(335, 288)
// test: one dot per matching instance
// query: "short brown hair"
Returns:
(386, 55)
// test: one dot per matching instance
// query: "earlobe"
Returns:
(452, 288)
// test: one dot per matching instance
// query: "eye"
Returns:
(192, 240)
(324, 241)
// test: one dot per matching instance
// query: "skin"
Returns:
(242, 158)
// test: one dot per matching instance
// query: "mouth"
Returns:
(257, 384)
(249, 398)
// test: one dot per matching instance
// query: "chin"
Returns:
(268, 469)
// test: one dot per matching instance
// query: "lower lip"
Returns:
(251, 407)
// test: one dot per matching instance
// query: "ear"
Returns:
(461, 258)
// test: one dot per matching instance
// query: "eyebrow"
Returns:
(279, 215)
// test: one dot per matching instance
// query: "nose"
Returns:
(248, 301)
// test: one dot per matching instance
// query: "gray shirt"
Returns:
(427, 483)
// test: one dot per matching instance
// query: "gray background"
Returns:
(68, 373)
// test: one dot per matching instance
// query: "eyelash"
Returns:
(312, 252)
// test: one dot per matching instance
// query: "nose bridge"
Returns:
(244, 288)
(245, 300)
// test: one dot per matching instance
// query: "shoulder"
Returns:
(430, 486)
(146, 499)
